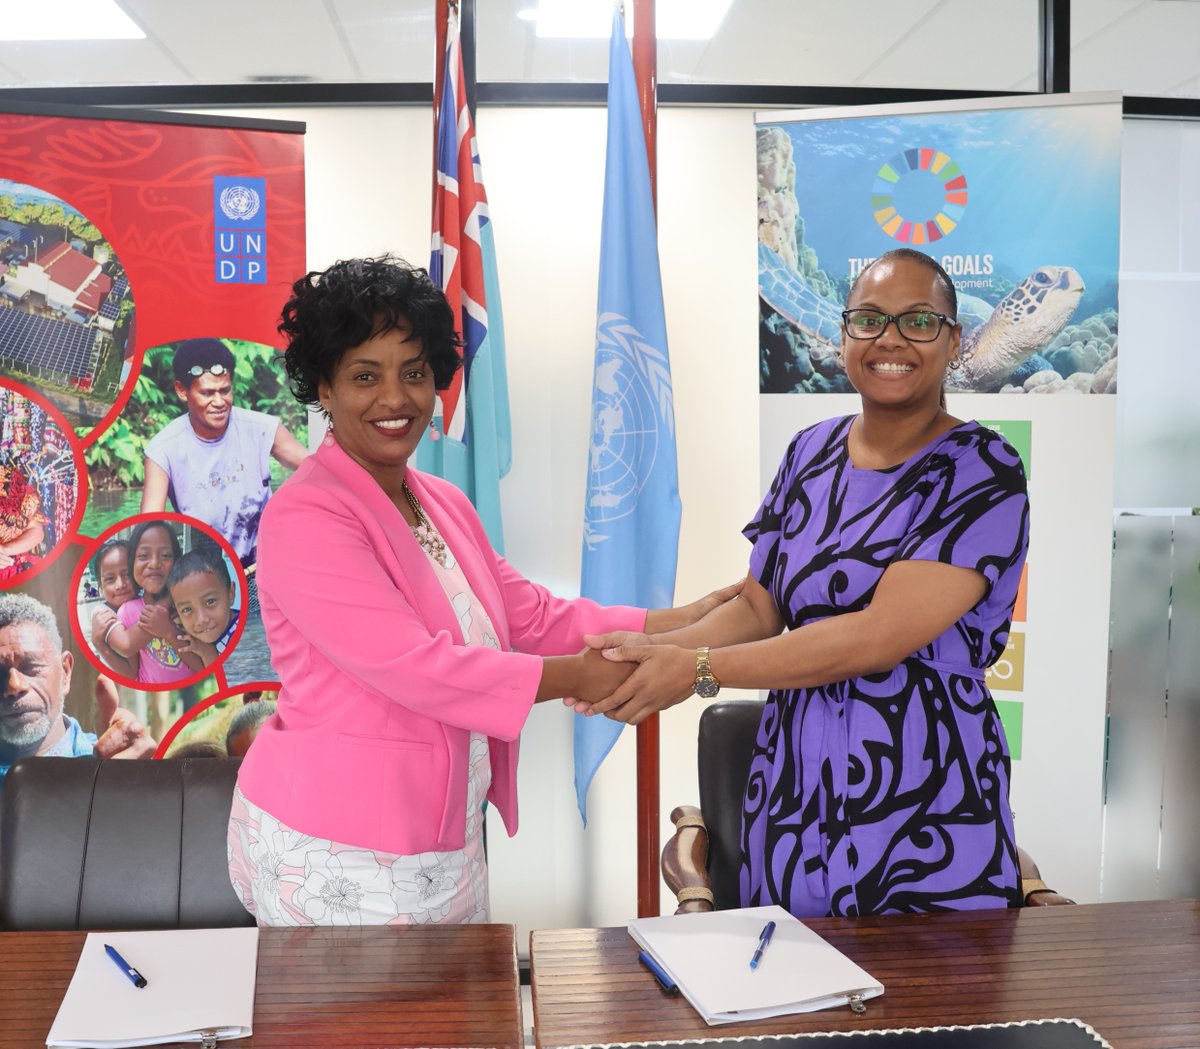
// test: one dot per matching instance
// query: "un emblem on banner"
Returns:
(632, 412)
(240, 203)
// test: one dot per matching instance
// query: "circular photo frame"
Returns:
(43, 484)
(222, 726)
(158, 601)
(66, 308)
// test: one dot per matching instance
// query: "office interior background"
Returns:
(358, 73)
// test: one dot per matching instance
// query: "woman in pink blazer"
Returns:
(409, 652)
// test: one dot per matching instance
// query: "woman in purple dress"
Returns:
(890, 547)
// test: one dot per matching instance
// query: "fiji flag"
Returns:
(631, 516)
(471, 439)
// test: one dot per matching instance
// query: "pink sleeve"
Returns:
(320, 578)
(550, 626)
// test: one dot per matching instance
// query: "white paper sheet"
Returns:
(708, 957)
(196, 980)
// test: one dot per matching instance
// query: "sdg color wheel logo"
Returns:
(919, 196)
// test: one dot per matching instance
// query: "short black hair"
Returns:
(203, 353)
(105, 550)
(928, 261)
(334, 310)
(195, 562)
(135, 537)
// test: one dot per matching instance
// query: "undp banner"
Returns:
(144, 258)
(1019, 200)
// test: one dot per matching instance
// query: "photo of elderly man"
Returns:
(35, 673)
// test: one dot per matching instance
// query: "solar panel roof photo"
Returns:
(42, 342)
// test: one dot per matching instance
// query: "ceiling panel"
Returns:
(1138, 46)
(392, 41)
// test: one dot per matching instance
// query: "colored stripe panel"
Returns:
(958, 183)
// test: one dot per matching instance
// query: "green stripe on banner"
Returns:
(1018, 433)
(1012, 716)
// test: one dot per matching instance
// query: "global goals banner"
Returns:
(1019, 200)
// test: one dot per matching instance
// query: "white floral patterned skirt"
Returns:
(286, 878)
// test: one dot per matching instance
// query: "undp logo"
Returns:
(919, 196)
(240, 203)
(240, 230)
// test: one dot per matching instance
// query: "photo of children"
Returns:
(210, 431)
(222, 727)
(39, 485)
(160, 601)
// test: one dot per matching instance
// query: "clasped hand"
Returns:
(654, 677)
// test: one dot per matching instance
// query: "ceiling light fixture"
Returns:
(592, 19)
(70, 20)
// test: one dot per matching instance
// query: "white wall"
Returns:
(368, 190)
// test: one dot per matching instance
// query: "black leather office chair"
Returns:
(87, 843)
(700, 863)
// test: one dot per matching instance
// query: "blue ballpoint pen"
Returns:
(764, 938)
(660, 974)
(135, 977)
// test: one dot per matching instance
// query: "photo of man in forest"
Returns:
(214, 461)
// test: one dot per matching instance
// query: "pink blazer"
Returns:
(369, 744)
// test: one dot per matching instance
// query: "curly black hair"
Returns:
(334, 310)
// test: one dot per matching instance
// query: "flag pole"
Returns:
(441, 25)
(645, 68)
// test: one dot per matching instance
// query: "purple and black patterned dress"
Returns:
(887, 793)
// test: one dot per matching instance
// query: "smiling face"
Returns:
(892, 370)
(35, 677)
(152, 560)
(115, 583)
(380, 401)
(204, 605)
(209, 401)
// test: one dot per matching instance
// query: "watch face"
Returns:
(707, 687)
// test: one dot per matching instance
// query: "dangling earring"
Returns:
(434, 433)
(328, 440)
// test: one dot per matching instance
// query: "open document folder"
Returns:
(199, 982)
(708, 956)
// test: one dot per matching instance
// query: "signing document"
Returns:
(752, 963)
(146, 988)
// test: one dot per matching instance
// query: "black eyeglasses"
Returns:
(196, 370)
(914, 325)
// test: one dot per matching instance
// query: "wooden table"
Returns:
(373, 987)
(1129, 970)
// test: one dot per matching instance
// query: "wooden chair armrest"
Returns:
(685, 861)
(1034, 891)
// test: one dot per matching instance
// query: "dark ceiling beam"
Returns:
(1054, 50)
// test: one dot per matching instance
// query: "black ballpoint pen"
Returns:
(135, 977)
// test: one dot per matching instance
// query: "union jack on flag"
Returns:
(475, 446)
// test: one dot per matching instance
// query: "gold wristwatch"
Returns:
(706, 686)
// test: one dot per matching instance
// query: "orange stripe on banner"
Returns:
(1019, 607)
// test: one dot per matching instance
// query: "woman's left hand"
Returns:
(664, 676)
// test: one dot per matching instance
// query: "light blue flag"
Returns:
(631, 514)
